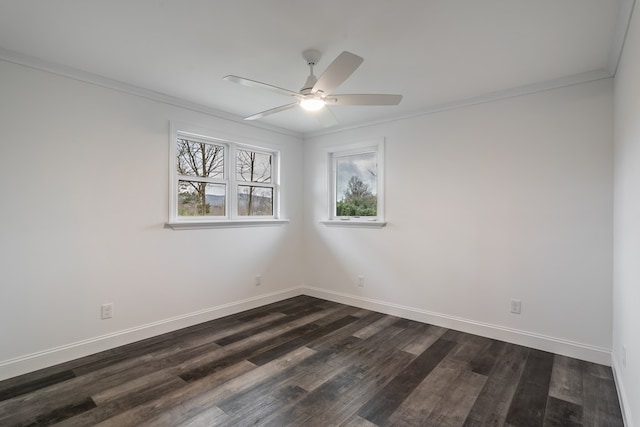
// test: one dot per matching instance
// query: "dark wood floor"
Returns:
(309, 362)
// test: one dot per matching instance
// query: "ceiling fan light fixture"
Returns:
(312, 104)
(318, 91)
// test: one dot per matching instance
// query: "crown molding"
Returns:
(625, 12)
(575, 79)
(13, 57)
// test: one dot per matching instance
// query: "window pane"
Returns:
(255, 201)
(253, 167)
(356, 185)
(200, 159)
(201, 199)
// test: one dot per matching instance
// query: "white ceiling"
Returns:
(436, 53)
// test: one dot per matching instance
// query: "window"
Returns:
(202, 188)
(218, 181)
(255, 187)
(355, 180)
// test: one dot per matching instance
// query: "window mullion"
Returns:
(255, 184)
(233, 190)
(201, 179)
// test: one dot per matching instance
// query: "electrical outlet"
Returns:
(361, 281)
(624, 356)
(516, 306)
(258, 280)
(107, 311)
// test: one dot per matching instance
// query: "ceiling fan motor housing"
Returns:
(308, 85)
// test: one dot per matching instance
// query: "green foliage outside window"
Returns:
(358, 200)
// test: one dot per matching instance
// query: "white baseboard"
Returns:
(50, 357)
(541, 342)
(622, 394)
(53, 356)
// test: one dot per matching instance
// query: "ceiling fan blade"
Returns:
(325, 117)
(337, 72)
(364, 99)
(252, 83)
(272, 111)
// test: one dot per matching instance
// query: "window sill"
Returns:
(195, 225)
(354, 224)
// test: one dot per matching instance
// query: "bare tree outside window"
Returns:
(199, 196)
(217, 181)
(254, 167)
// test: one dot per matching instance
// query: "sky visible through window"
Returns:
(363, 166)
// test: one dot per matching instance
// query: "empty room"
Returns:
(338, 213)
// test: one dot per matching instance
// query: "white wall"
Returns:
(507, 199)
(626, 295)
(84, 173)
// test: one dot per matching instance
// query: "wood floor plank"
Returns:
(492, 404)
(598, 371)
(465, 353)
(381, 360)
(207, 398)
(133, 398)
(452, 376)
(339, 336)
(210, 417)
(427, 335)
(315, 371)
(566, 379)
(137, 383)
(368, 356)
(485, 360)
(258, 403)
(156, 407)
(308, 375)
(264, 326)
(227, 358)
(562, 413)
(340, 397)
(312, 362)
(339, 312)
(357, 421)
(62, 413)
(418, 405)
(461, 394)
(529, 403)
(181, 339)
(378, 409)
(248, 346)
(322, 369)
(66, 394)
(600, 403)
(277, 307)
(197, 349)
(316, 401)
(36, 384)
(370, 381)
(375, 327)
(123, 402)
(303, 339)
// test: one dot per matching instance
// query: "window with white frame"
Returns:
(217, 180)
(355, 180)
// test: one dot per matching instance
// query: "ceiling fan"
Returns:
(317, 92)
